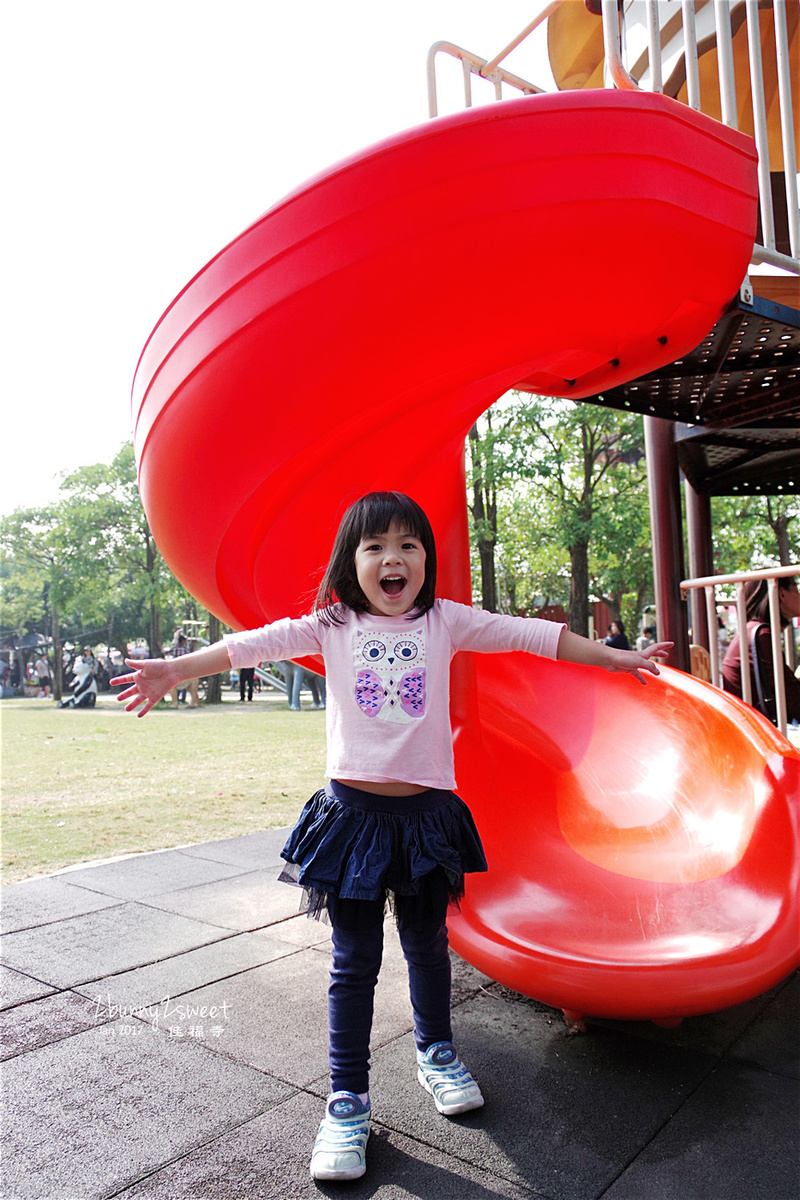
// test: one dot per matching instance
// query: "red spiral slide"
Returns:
(641, 841)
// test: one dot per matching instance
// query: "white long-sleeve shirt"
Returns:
(388, 681)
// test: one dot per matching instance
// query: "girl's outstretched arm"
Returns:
(152, 678)
(573, 648)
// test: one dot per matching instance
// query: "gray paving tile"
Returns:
(563, 1114)
(39, 901)
(707, 1109)
(41, 1022)
(145, 875)
(467, 981)
(186, 972)
(279, 1013)
(715, 1033)
(277, 1016)
(736, 1137)
(298, 931)
(252, 852)
(96, 1112)
(244, 902)
(267, 1159)
(773, 1040)
(71, 952)
(16, 988)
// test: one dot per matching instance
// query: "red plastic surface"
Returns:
(346, 341)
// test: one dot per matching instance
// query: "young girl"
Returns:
(388, 820)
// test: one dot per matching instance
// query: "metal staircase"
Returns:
(738, 61)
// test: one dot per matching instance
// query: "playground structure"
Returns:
(655, 878)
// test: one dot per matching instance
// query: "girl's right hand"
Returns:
(150, 680)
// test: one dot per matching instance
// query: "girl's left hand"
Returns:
(633, 662)
(150, 680)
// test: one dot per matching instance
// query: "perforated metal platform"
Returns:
(736, 398)
(723, 462)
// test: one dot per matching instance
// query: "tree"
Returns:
(105, 498)
(532, 566)
(22, 593)
(621, 562)
(491, 466)
(587, 461)
(88, 567)
(749, 532)
(41, 541)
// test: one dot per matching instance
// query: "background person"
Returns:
(617, 637)
(42, 669)
(246, 677)
(181, 647)
(756, 595)
(646, 638)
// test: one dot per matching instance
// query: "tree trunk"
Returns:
(484, 516)
(578, 616)
(780, 527)
(488, 576)
(58, 673)
(154, 631)
(214, 688)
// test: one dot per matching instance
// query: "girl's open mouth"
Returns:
(393, 585)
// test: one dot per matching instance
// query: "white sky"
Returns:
(141, 137)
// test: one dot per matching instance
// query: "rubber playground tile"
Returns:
(80, 949)
(563, 1114)
(142, 876)
(276, 1016)
(185, 972)
(36, 902)
(244, 902)
(16, 988)
(97, 1111)
(42, 1022)
(736, 1137)
(773, 1041)
(268, 1159)
(715, 1033)
(299, 931)
(278, 1013)
(250, 852)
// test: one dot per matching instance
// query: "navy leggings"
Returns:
(357, 927)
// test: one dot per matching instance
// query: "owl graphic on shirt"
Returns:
(390, 674)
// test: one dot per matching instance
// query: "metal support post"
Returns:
(666, 526)
(701, 558)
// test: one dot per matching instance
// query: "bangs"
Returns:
(380, 510)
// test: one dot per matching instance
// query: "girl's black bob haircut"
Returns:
(371, 516)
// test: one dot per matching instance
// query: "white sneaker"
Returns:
(341, 1146)
(442, 1073)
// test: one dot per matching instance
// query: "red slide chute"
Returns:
(641, 840)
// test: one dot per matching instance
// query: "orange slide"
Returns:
(642, 841)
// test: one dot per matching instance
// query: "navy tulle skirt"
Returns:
(356, 845)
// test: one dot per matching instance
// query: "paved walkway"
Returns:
(165, 1035)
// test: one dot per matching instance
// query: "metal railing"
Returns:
(678, 44)
(648, 42)
(709, 585)
(485, 68)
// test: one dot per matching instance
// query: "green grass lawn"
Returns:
(80, 785)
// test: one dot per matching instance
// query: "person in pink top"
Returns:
(388, 822)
